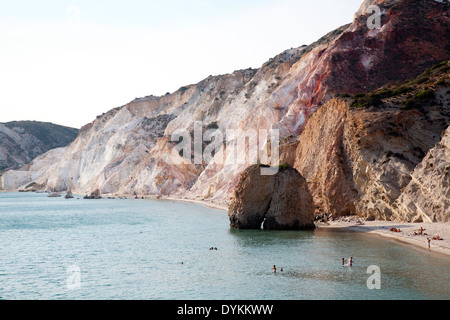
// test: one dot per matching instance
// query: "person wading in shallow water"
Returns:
(274, 269)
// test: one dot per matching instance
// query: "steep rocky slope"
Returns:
(427, 196)
(365, 155)
(22, 141)
(128, 150)
(121, 152)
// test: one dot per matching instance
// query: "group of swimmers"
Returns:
(344, 263)
(275, 269)
(349, 262)
(213, 248)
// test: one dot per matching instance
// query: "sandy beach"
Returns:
(214, 205)
(409, 232)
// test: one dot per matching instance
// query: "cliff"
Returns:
(380, 155)
(427, 197)
(357, 153)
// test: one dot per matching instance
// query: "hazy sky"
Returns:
(68, 61)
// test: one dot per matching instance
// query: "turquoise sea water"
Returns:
(53, 248)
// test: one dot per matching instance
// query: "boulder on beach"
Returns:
(277, 202)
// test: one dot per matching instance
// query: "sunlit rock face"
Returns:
(252, 199)
(384, 159)
(427, 196)
(272, 202)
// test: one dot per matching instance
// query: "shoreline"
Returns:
(380, 228)
(354, 224)
(407, 236)
(205, 203)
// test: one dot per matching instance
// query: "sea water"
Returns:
(127, 249)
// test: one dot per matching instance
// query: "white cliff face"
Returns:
(14, 179)
(128, 149)
(427, 196)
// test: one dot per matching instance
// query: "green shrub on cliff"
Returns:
(368, 100)
(418, 99)
(284, 166)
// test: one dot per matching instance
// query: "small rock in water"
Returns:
(94, 195)
(69, 195)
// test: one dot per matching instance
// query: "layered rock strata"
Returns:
(427, 197)
(383, 155)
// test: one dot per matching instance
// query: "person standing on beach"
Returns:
(429, 243)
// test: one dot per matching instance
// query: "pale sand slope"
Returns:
(217, 204)
(220, 205)
(406, 235)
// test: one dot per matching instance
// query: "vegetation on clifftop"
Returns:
(408, 94)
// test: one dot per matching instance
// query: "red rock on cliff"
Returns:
(413, 36)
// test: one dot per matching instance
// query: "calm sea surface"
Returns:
(53, 248)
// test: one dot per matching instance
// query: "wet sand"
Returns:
(215, 205)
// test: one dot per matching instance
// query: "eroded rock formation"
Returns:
(252, 199)
(274, 202)
(367, 156)
(427, 196)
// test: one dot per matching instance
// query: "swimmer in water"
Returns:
(274, 269)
